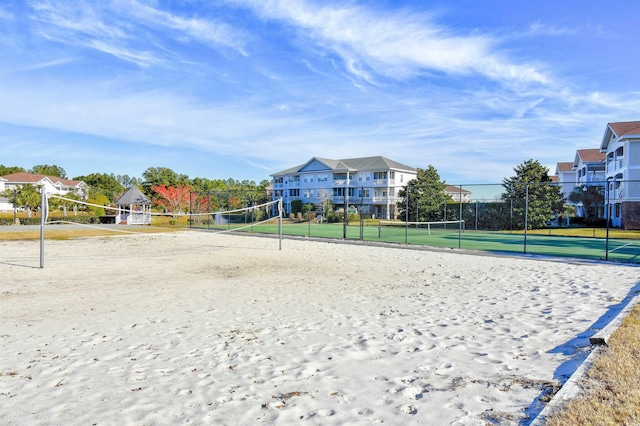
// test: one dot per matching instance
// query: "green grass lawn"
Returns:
(573, 242)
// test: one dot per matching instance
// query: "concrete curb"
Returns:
(569, 390)
(602, 336)
(572, 388)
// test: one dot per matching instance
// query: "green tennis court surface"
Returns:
(624, 250)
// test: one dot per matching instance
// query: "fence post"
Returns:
(476, 215)
(406, 219)
(608, 218)
(510, 215)
(461, 222)
(526, 213)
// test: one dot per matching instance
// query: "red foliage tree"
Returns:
(175, 199)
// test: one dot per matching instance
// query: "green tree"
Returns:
(64, 205)
(102, 183)
(47, 170)
(155, 176)
(127, 181)
(544, 198)
(5, 170)
(28, 197)
(592, 199)
(423, 196)
(296, 206)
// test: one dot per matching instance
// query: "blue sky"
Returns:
(246, 88)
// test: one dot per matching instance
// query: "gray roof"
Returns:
(364, 164)
(133, 196)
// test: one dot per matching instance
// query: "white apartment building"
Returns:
(566, 178)
(51, 184)
(371, 184)
(589, 167)
(458, 194)
(621, 147)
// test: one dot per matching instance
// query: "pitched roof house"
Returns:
(621, 147)
(589, 165)
(566, 177)
(52, 185)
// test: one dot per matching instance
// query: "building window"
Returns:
(338, 192)
(363, 193)
(294, 192)
(618, 209)
(392, 175)
(379, 175)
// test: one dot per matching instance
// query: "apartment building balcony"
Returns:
(384, 182)
(615, 165)
(592, 179)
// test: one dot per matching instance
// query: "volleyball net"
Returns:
(240, 219)
(388, 227)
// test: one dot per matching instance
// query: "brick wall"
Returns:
(631, 215)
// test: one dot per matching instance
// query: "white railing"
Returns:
(139, 219)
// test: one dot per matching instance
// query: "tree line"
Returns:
(157, 183)
(424, 200)
(421, 200)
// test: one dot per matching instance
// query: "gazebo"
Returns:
(133, 208)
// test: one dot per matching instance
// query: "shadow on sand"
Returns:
(577, 349)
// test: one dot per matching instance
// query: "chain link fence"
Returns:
(597, 220)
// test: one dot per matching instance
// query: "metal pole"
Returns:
(608, 217)
(43, 201)
(526, 212)
(461, 222)
(406, 219)
(346, 208)
(476, 215)
(511, 216)
(15, 206)
(361, 213)
(190, 209)
(280, 222)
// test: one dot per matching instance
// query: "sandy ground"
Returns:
(198, 328)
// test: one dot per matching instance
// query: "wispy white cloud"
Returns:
(118, 29)
(396, 45)
(331, 80)
(212, 32)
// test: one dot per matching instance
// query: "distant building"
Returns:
(589, 167)
(457, 194)
(52, 185)
(133, 208)
(370, 183)
(621, 148)
(566, 177)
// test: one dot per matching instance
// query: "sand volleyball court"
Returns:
(197, 328)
